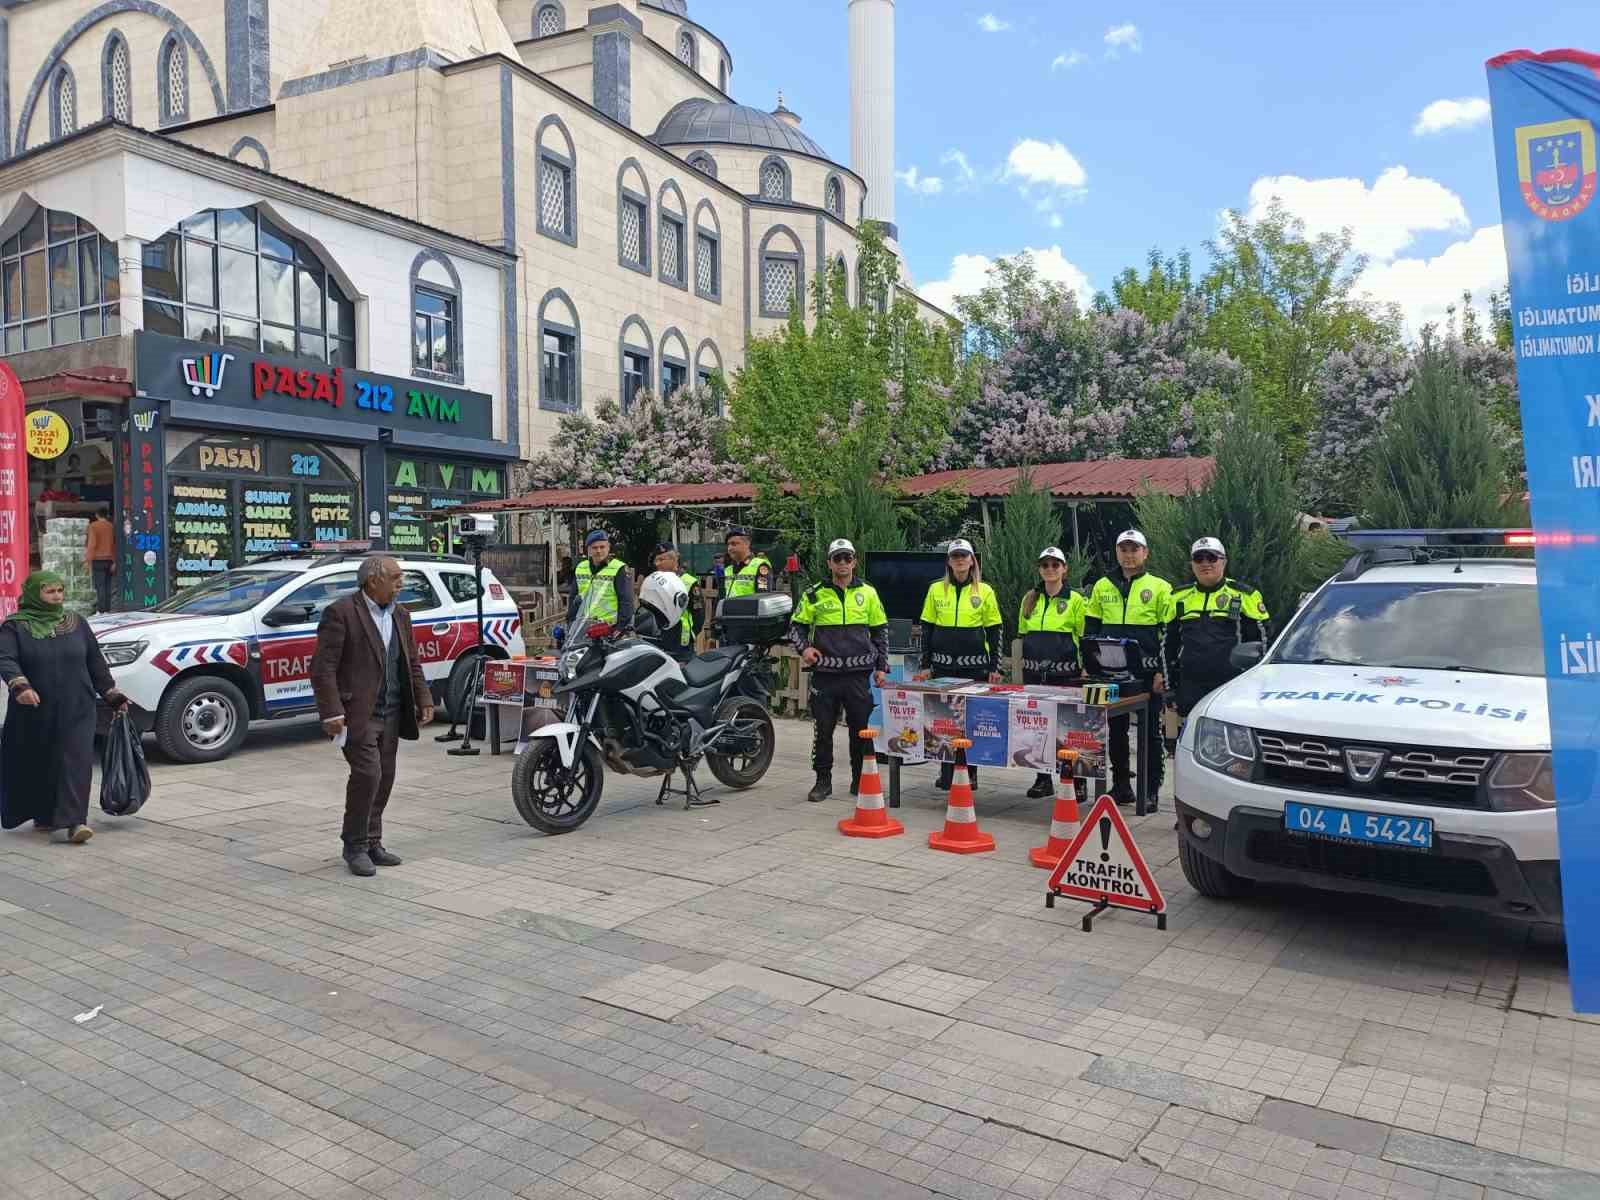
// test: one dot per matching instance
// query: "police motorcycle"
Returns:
(633, 709)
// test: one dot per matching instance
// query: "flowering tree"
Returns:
(673, 439)
(1105, 384)
(1353, 391)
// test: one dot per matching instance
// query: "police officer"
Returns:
(614, 603)
(961, 630)
(1050, 624)
(842, 633)
(1205, 621)
(679, 640)
(1132, 603)
(745, 574)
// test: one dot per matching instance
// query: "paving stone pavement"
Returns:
(738, 1002)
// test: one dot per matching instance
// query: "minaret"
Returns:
(872, 105)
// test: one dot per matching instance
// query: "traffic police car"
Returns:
(1395, 740)
(201, 666)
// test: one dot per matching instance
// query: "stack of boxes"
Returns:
(65, 540)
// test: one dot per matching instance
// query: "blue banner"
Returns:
(989, 726)
(1546, 109)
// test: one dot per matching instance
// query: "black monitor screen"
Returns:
(902, 579)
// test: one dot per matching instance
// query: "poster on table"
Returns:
(988, 726)
(504, 683)
(1546, 109)
(1032, 733)
(900, 732)
(944, 719)
(540, 704)
(1084, 728)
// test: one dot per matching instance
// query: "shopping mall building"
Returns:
(311, 270)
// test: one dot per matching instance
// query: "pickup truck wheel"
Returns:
(1209, 877)
(202, 719)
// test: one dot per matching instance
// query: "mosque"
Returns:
(395, 238)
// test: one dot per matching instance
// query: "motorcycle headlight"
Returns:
(1224, 747)
(122, 654)
(1520, 782)
(569, 663)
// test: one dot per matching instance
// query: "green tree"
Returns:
(862, 508)
(1029, 521)
(1280, 303)
(1436, 463)
(1157, 294)
(1251, 503)
(992, 316)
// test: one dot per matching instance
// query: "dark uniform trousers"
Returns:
(831, 694)
(1152, 748)
(371, 757)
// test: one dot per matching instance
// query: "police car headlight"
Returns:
(1520, 782)
(1224, 747)
(122, 654)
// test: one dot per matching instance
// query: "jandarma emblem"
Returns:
(1556, 167)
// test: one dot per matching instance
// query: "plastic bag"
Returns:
(124, 778)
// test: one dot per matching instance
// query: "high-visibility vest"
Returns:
(755, 575)
(604, 607)
(690, 582)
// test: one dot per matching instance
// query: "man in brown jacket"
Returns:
(369, 686)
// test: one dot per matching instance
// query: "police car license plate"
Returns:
(1348, 825)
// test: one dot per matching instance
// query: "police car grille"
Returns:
(1375, 864)
(1411, 774)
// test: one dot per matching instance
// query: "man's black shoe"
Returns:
(822, 789)
(1042, 786)
(381, 857)
(1123, 794)
(360, 863)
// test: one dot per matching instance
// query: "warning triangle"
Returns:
(1103, 865)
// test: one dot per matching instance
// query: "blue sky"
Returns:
(1089, 132)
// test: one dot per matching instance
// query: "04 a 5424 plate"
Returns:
(1349, 825)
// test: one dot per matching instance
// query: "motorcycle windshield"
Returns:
(577, 634)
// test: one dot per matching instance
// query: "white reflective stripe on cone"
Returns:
(963, 815)
(1064, 830)
(869, 800)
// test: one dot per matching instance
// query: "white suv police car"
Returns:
(236, 648)
(1395, 740)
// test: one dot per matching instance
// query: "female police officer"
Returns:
(961, 631)
(1050, 622)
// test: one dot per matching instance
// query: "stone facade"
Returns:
(459, 115)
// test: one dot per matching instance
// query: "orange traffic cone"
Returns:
(1064, 819)
(961, 834)
(872, 819)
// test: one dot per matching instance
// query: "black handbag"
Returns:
(124, 778)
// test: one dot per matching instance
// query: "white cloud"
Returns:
(1068, 59)
(990, 23)
(969, 273)
(1046, 164)
(1383, 219)
(1444, 115)
(1424, 287)
(1122, 37)
(965, 175)
(922, 185)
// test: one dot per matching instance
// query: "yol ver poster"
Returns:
(1546, 112)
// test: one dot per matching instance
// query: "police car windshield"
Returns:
(1478, 627)
(226, 595)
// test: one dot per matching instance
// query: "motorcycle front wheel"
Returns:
(550, 797)
(745, 767)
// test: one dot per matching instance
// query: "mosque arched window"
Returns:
(774, 180)
(60, 283)
(549, 21)
(233, 277)
(833, 197)
(172, 83)
(116, 85)
(63, 103)
(686, 48)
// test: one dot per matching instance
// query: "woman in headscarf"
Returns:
(51, 663)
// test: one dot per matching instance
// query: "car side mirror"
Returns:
(1246, 655)
(289, 614)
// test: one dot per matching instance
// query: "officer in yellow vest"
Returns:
(679, 640)
(841, 632)
(1050, 623)
(614, 602)
(745, 573)
(961, 627)
(1205, 622)
(1132, 603)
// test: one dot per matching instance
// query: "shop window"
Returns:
(635, 376)
(234, 278)
(434, 330)
(420, 489)
(59, 283)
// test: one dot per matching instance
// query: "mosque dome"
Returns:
(707, 121)
(678, 8)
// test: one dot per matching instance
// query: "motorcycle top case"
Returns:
(759, 620)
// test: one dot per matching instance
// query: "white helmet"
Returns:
(664, 594)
